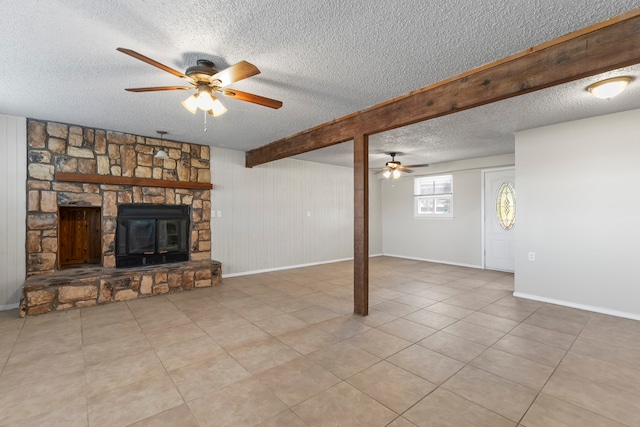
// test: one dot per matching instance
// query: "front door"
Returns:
(499, 220)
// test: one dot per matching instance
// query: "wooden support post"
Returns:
(361, 225)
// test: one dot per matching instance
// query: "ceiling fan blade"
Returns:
(249, 97)
(152, 62)
(424, 165)
(154, 89)
(236, 72)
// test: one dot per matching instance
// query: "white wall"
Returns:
(264, 223)
(578, 196)
(453, 241)
(13, 209)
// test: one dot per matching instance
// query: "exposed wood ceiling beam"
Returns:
(605, 46)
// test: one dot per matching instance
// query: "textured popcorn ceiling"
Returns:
(322, 59)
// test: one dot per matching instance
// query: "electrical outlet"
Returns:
(532, 256)
(308, 213)
(219, 214)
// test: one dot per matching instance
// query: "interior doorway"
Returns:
(500, 219)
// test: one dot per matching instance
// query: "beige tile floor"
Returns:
(442, 346)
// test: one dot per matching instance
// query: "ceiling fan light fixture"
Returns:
(191, 104)
(387, 174)
(609, 88)
(396, 173)
(217, 108)
(205, 101)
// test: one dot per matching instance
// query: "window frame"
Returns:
(436, 197)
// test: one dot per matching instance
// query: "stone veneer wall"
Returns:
(57, 147)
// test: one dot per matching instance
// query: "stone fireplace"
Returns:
(80, 181)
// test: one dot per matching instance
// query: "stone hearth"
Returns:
(89, 286)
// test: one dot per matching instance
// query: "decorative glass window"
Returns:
(433, 196)
(506, 206)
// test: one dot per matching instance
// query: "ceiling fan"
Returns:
(207, 81)
(394, 168)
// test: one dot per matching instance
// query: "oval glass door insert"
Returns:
(506, 206)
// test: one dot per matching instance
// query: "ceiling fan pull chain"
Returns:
(205, 121)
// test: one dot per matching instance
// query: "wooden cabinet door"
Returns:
(79, 236)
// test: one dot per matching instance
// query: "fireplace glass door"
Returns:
(142, 236)
(172, 235)
(152, 234)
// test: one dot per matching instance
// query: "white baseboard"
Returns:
(286, 267)
(8, 307)
(600, 310)
(289, 267)
(437, 261)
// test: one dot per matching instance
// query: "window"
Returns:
(433, 197)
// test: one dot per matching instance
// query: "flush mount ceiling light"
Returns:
(610, 88)
(161, 154)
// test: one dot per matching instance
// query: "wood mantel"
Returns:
(123, 180)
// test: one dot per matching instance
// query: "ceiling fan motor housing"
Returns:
(393, 164)
(202, 71)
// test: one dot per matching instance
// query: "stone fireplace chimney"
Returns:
(78, 178)
(95, 171)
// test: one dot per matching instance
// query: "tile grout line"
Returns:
(84, 369)
(556, 367)
(439, 386)
(13, 346)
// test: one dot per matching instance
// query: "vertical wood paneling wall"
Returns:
(13, 209)
(281, 214)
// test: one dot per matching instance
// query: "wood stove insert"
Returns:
(150, 234)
